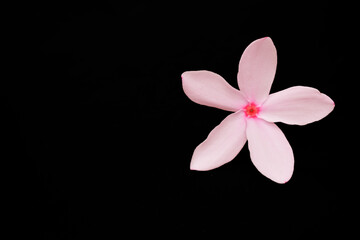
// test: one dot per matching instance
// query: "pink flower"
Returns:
(254, 113)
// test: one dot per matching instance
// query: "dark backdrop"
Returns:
(102, 134)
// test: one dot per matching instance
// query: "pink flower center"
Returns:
(251, 110)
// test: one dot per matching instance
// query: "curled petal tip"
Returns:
(191, 167)
(196, 166)
(282, 181)
(185, 74)
(285, 182)
(182, 75)
(266, 38)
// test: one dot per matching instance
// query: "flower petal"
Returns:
(257, 69)
(296, 105)
(222, 145)
(270, 151)
(210, 89)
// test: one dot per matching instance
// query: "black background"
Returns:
(101, 133)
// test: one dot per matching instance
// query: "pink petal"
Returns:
(210, 89)
(270, 151)
(296, 105)
(257, 69)
(222, 145)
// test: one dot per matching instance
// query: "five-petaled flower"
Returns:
(254, 113)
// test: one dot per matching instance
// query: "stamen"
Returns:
(251, 110)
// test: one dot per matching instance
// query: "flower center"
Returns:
(251, 110)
